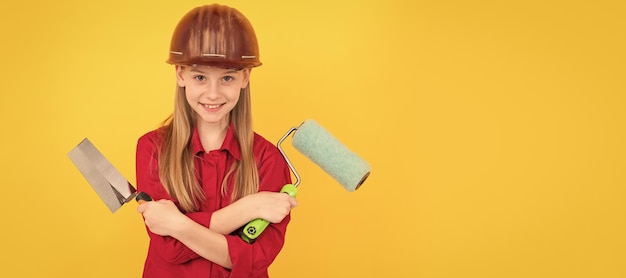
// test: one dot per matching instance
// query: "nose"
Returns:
(211, 90)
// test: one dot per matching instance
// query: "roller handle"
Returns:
(143, 197)
(254, 228)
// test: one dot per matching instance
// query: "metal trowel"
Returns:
(112, 187)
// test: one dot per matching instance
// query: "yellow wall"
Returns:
(495, 131)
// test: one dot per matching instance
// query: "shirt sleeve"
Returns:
(253, 260)
(168, 248)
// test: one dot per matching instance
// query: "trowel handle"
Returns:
(143, 197)
(254, 228)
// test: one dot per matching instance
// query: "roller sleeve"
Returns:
(321, 147)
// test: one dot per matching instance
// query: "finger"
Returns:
(141, 208)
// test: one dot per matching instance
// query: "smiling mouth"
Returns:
(212, 106)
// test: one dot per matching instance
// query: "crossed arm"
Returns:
(164, 219)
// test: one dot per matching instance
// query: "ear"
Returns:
(179, 76)
(246, 77)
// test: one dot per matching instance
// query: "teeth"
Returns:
(211, 106)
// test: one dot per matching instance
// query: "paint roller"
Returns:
(322, 148)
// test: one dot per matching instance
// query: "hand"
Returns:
(161, 216)
(271, 206)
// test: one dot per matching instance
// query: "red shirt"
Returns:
(167, 257)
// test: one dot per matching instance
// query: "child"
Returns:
(206, 169)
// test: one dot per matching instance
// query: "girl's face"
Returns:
(212, 92)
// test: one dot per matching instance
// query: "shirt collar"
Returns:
(230, 143)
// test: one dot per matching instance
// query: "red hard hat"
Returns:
(214, 35)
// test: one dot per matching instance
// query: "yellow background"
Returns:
(495, 130)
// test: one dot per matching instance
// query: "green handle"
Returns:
(254, 228)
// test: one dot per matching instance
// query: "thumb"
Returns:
(293, 202)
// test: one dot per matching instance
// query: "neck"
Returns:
(212, 135)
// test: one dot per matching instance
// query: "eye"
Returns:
(228, 78)
(199, 77)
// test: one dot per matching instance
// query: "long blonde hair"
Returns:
(176, 158)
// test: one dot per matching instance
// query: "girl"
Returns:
(209, 171)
